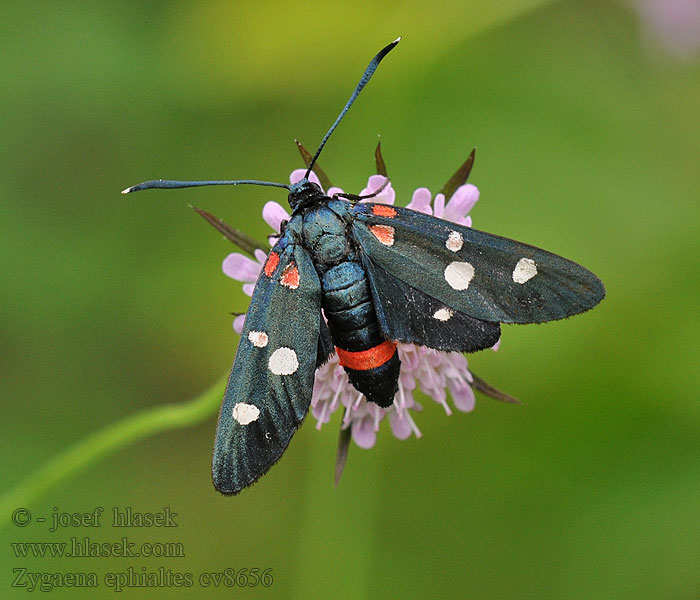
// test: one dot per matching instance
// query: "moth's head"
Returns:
(303, 193)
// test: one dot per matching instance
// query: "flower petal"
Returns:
(462, 395)
(241, 268)
(421, 201)
(400, 425)
(462, 201)
(363, 432)
(298, 175)
(386, 196)
(238, 323)
(274, 213)
(439, 206)
(408, 380)
(334, 190)
(322, 413)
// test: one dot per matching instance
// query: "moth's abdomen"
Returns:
(371, 362)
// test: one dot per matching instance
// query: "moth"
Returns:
(381, 274)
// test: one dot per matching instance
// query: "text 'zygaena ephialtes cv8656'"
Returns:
(381, 274)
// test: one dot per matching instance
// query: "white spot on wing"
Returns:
(443, 314)
(525, 270)
(245, 413)
(455, 241)
(283, 361)
(259, 339)
(459, 275)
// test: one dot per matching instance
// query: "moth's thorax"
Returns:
(325, 235)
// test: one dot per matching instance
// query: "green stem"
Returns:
(107, 441)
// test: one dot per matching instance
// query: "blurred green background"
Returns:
(588, 132)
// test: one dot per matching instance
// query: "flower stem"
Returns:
(107, 441)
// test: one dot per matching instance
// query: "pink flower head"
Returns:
(435, 373)
(674, 24)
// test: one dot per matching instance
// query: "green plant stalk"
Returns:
(107, 441)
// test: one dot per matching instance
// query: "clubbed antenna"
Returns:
(369, 71)
(171, 184)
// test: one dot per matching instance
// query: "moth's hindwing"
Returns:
(406, 314)
(269, 389)
(485, 276)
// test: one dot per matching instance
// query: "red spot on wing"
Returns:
(290, 276)
(383, 210)
(367, 359)
(384, 233)
(271, 264)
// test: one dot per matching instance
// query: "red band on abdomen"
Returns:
(367, 359)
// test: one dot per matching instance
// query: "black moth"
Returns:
(382, 274)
